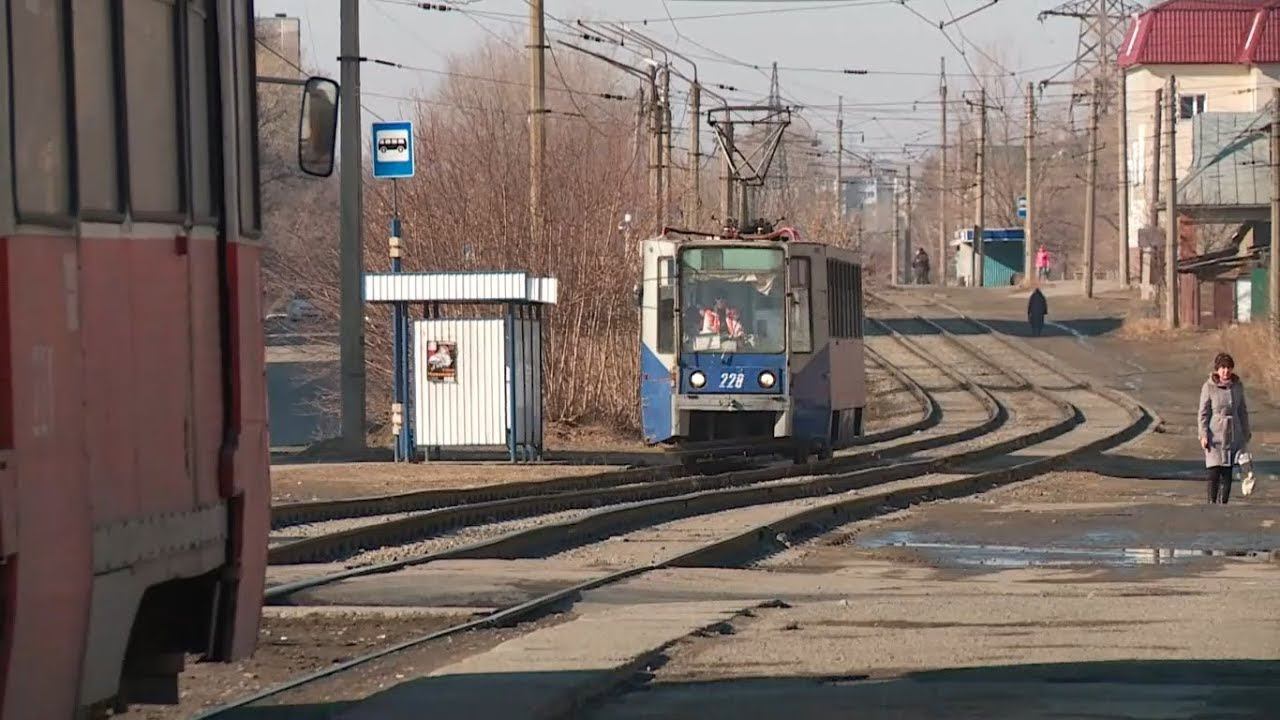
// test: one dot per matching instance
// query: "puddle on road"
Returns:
(951, 554)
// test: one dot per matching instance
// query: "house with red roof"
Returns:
(1224, 57)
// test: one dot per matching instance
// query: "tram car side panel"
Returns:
(828, 367)
(658, 340)
(847, 347)
(134, 493)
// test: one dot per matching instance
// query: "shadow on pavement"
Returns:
(1087, 327)
(1167, 689)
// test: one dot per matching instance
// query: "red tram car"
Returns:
(134, 493)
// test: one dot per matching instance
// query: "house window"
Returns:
(1190, 106)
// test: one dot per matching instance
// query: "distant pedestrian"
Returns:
(1042, 263)
(1224, 425)
(920, 264)
(1037, 309)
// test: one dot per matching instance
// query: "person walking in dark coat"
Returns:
(920, 264)
(1037, 308)
(1224, 426)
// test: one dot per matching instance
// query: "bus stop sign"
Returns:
(392, 150)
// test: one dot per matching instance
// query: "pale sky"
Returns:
(803, 36)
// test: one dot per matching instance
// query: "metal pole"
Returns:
(695, 155)
(400, 386)
(1146, 271)
(1171, 208)
(942, 185)
(1029, 234)
(655, 149)
(980, 212)
(668, 146)
(351, 323)
(1122, 224)
(537, 114)
(1273, 266)
(895, 262)
(906, 234)
(839, 160)
(1091, 190)
(727, 206)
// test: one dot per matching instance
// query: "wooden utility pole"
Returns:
(1171, 207)
(1028, 146)
(695, 156)
(1273, 266)
(1091, 189)
(980, 209)
(839, 160)
(943, 189)
(1122, 216)
(537, 112)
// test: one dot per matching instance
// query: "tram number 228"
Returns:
(732, 380)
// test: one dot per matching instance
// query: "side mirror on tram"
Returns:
(639, 293)
(318, 126)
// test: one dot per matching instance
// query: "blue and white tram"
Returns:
(749, 337)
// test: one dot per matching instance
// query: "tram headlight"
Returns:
(697, 379)
(767, 379)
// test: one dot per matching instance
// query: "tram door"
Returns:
(658, 338)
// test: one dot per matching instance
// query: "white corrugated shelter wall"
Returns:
(472, 411)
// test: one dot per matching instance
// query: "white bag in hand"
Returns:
(1247, 478)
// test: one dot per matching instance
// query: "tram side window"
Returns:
(666, 305)
(97, 132)
(151, 92)
(246, 118)
(41, 161)
(204, 201)
(801, 315)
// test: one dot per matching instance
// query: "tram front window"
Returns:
(732, 299)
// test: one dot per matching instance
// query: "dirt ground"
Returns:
(289, 646)
(326, 481)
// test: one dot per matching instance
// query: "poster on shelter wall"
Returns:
(442, 361)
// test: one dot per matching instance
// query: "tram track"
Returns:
(763, 486)
(358, 542)
(381, 508)
(712, 532)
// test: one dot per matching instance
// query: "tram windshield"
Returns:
(732, 299)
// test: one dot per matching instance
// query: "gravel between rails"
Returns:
(308, 530)
(459, 537)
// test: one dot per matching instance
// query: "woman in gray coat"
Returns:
(1224, 425)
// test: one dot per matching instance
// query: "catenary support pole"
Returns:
(1091, 190)
(1171, 206)
(839, 197)
(980, 209)
(537, 114)
(695, 156)
(1273, 266)
(351, 246)
(943, 188)
(1029, 230)
(1122, 214)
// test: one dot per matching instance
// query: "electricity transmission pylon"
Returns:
(1103, 24)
